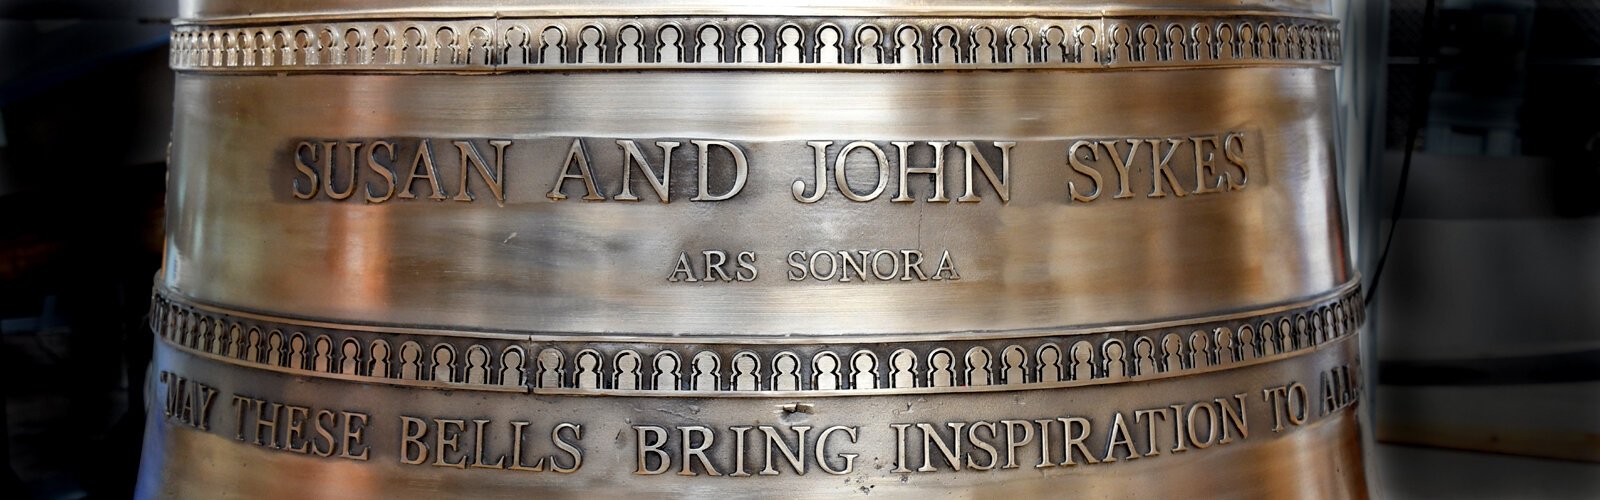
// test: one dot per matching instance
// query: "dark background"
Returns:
(1487, 315)
(85, 109)
(1486, 324)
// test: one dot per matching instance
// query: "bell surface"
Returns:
(698, 248)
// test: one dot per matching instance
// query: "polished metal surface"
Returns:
(713, 248)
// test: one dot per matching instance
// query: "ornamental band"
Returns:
(695, 248)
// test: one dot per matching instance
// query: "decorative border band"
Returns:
(494, 44)
(598, 365)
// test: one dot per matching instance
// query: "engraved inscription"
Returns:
(697, 449)
(880, 166)
(187, 401)
(883, 265)
(1157, 167)
(300, 428)
(385, 170)
(1290, 404)
(1069, 441)
(843, 266)
(715, 266)
(733, 164)
(987, 440)
(959, 172)
(1341, 388)
(461, 443)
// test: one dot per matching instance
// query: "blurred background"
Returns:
(1483, 344)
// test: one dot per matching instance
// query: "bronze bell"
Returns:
(715, 248)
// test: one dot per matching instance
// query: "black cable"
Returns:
(1419, 114)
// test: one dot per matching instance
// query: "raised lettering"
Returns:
(632, 156)
(937, 171)
(1001, 184)
(422, 167)
(741, 169)
(576, 155)
(495, 180)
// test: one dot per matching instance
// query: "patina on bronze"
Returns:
(701, 248)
